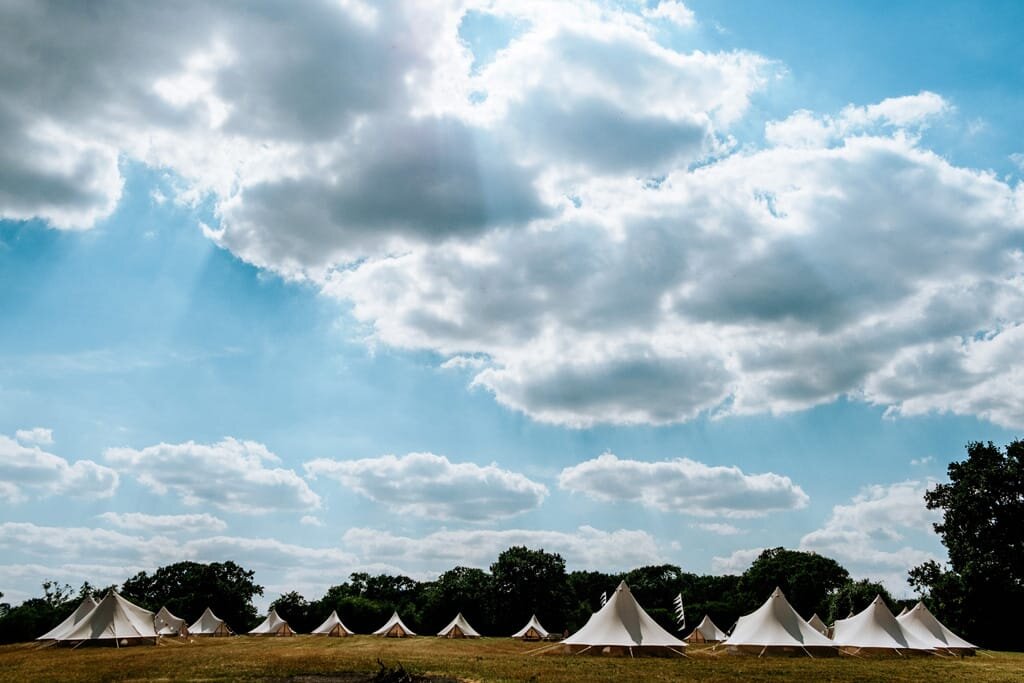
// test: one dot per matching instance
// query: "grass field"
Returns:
(309, 658)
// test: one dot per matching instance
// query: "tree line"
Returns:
(978, 594)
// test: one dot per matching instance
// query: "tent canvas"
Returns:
(332, 626)
(87, 605)
(459, 628)
(532, 631)
(273, 625)
(167, 624)
(776, 627)
(209, 624)
(924, 626)
(818, 624)
(875, 629)
(113, 618)
(706, 632)
(622, 623)
(394, 628)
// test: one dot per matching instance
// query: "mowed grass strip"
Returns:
(488, 659)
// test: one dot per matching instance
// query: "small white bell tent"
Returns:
(818, 625)
(394, 628)
(776, 628)
(166, 624)
(532, 631)
(622, 626)
(706, 632)
(87, 605)
(209, 624)
(332, 626)
(273, 625)
(459, 628)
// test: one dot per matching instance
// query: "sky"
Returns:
(327, 287)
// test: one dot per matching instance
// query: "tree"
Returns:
(983, 505)
(853, 597)
(300, 614)
(187, 588)
(808, 579)
(529, 582)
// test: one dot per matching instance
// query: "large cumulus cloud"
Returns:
(573, 214)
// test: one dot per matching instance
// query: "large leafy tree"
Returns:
(982, 591)
(187, 588)
(809, 580)
(528, 582)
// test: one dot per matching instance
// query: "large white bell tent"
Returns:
(776, 628)
(925, 627)
(87, 605)
(875, 630)
(620, 626)
(113, 619)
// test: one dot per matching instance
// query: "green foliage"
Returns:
(808, 579)
(853, 597)
(188, 588)
(529, 582)
(982, 590)
(297, 611)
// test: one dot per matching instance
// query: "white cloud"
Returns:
(880, 533)
(586, 548)
(684, 486)
(230, 475)
(428, 485)
(673, 11)
(26, 470)
(718, 528)
(650, 279)
(805, 129)
(922, 461)
(37, 435)
(737, 562)
(310, 520)
(165, 524)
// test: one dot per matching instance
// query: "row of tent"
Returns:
(621, 624)
(115, 618)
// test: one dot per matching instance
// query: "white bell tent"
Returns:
(532, 631)
(115, 619)
(923, 625)
(273, 625)
(87, 605)
(167, 624)
(209, 624)
(459, 628)
(775, 627)
(706, 632)
(819, 625)
(875, 630)
(332, 626)
(622, 625)
(394, 628)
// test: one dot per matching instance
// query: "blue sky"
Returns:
(635, 283)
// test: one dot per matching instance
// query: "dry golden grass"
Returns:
(488, 659)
